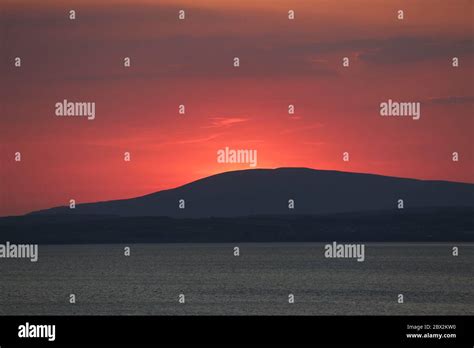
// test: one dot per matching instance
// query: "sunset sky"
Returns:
(190, 62)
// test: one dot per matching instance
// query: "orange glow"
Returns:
(190, 63)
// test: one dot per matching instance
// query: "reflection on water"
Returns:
(259, 281)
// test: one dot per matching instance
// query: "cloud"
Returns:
(225, 122)
(160, 46)
(450, 100)
(302, 128)
(193, 140)
(398, 50)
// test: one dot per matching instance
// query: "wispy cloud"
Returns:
(193, 140)
(226, 122)
(398, 50)
(302, 128)
(450, 100)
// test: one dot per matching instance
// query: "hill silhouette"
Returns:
(252, 206)
(267, 192)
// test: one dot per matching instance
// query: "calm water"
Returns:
(257, 282)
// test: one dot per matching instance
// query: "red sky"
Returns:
(190, 62)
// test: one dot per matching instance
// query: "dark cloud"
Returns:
(450, 100)
(400, 50)
(92, 48)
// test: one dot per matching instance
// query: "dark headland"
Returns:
(254, 206)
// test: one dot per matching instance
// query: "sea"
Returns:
(259, 279)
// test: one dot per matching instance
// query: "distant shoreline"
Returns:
(408, 225)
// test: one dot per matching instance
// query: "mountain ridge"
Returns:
(267, 192)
